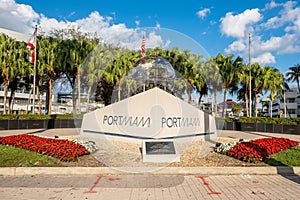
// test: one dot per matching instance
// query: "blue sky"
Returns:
(218, 26)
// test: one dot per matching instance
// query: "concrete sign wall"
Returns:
(153, 114)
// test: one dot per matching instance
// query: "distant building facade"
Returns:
(286, 106)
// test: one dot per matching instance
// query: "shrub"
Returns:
(260, 149)
(63, 149)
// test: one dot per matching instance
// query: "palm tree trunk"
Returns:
(223, 112)
(128, 91)
(247, 106)
(28, 102)
(78, 90)
(189, 92)
(51, 81)
(119, 92)
(39, 98)
(256, 104)
(199, 100)
(88, 97)
(215, 102)
(6, 84)
(11, 100)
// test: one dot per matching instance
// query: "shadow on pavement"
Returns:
(288, 173)
(108, 181)
(38, 131)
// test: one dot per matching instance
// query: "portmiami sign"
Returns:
(153, 114)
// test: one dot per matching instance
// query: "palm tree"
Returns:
(259, 74)
(274, 81)
(228, 70)
(294, 75)
(212, 76)
(46, 66)
(12, 63)
(243, 79)
(265, 78)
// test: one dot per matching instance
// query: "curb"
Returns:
(35, 171)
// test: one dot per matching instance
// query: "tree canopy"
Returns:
(98, 69)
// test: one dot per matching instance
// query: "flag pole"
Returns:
(34, 68)
(143, 50)
(250, 96)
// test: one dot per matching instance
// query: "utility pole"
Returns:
(250, 97)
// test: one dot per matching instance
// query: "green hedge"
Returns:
(269, 120)
(37, 117)
(266, 120)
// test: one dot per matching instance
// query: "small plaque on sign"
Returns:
(160, 151)
(160, 148)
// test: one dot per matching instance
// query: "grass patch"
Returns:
(290, 157)
(16, 157)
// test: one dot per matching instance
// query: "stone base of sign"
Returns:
(160, 151)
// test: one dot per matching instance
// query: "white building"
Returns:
(287, 106)
(22, 102)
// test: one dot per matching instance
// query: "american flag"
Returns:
(31, 46)
(143, 44)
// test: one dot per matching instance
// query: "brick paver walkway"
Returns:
(141, 187)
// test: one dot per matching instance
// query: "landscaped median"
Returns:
(258, 151)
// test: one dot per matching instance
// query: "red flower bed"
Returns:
(260, 149)
(62, 149)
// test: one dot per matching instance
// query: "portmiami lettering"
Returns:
(172, 122)
(126, 121)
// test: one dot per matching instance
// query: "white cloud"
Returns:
(273, 22)
(22, 18)
(288, 43)
(236, 25)
(276, 35)
(288, 16)
(17, 17)
(49, 24)
(264, 58)
(236, 46)
(271, 5)
(202, 13)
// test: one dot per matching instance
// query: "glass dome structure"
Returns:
(153, 68)
(149, 72)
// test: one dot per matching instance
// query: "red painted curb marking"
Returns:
(113, 179)
(91, 190)
(211, 191)
(94, 185)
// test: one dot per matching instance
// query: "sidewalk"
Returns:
(151, 187)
